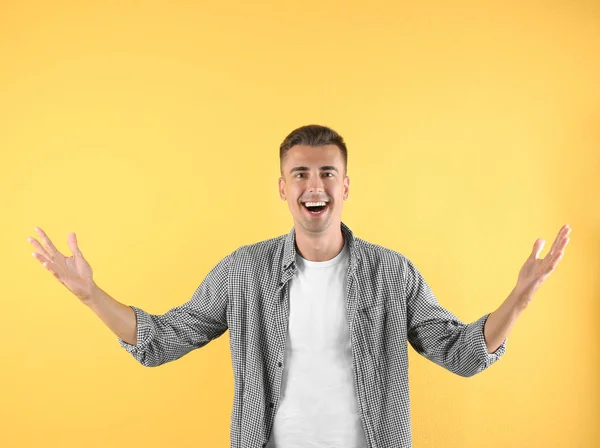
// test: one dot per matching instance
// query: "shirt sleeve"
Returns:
(440, 336)
(167, 337)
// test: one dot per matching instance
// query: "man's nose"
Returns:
(315, 184)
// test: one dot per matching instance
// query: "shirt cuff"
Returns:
(145, 331)
(479, 347)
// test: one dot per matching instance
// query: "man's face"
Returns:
(313, 174)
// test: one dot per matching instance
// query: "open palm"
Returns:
(74, 272)
(536, 270)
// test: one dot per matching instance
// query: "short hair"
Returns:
(314, 135)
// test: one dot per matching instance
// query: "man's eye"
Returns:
(302, 174)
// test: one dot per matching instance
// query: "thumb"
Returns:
(537, 248)
(72, 240)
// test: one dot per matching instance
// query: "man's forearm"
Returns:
(500, 322)
(118, 317)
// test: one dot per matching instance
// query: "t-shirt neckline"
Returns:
(327, 263)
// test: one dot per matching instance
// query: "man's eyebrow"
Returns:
(323, 168)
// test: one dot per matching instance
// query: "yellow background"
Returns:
(152, 130)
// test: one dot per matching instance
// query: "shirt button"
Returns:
(279, 364)
(271, 405)
(280, 283)
(264, 445)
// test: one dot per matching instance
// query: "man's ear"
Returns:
(282, 188)
(346, 187)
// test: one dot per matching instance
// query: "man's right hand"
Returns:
(74, 272)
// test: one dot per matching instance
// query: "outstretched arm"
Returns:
(76, 274)
(531, 276)
(152, 339)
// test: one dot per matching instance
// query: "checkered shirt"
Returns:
(388, 304)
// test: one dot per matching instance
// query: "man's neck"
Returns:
(322, 246)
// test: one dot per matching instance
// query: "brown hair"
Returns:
(314, 135)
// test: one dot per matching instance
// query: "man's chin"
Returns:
(315, 226)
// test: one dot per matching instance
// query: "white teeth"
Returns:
(315, 204)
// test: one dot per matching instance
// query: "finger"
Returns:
(41, 258)
(562, 233)
(54, 273)
(47, 264)
(537, 248)
(72, 240)
(555, 243)
(560, 250)
(554, 258)
(50, 267)
(52, 250)
(560, 243)
(39, 247)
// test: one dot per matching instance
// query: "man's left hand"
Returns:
(536, 270)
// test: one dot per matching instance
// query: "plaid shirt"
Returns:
(388, 303)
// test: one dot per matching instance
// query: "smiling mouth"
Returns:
(316, 210)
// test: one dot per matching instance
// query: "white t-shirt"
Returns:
(318, 406)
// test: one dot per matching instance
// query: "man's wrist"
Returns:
(516, 302)
(92, 295)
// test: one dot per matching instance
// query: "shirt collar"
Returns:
(289, 247)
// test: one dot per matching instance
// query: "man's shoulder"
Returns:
(262, 251)
(376, 254)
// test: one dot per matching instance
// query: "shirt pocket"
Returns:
(383, 328)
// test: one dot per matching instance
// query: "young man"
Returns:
(319, 319)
